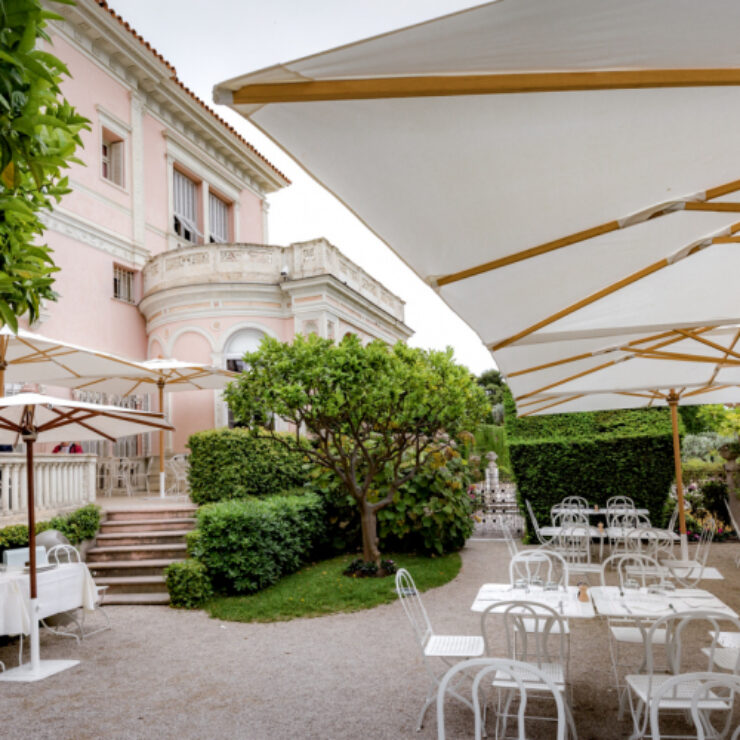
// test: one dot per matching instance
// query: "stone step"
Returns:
(142, 539)
(153, 512)
(129, 568)
(136, 552)
(147, 525)
(140, 599)
(132, 584)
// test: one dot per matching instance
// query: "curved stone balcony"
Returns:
(265, 264)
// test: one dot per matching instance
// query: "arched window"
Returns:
(246, 340)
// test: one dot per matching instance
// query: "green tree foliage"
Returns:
(492, 382)
(374, 414)
(39, 133)
(596, 454)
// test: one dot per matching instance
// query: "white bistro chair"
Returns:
(523, 676)
(448, 648)
(710, 696)
(648, 695)
(734, 529)
(536, 635)
(689, 572)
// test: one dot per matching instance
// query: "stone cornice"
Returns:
(87, 232)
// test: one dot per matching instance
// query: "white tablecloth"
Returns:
(643, 605)
(491, 593)
(64, 588)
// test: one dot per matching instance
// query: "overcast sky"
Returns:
(209, 41)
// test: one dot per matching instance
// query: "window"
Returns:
(111, 158)
(123, 284)
(246, 340)
(218, 216)
(186, 208)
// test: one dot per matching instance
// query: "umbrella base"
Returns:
(44, 669)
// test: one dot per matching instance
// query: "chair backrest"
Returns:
(412, 606)
(620, 502)
(523, 675)
(705, 541)
(574, 502)
(511, 544)
(538, 567)
(563, 517)
(655, 543)
(639, 568)
(573, 543)
(733, 522)
(675, 625)
(532, 631)
(705, 691)
(534, 522)
(63, 554)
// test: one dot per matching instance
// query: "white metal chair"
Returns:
(544, 534)
(707, 695)
(689, 572)
(177, 472)
(59, 555)
(523, 676)
(574, 502)
(646, 690)
(619, 502)
(626, 633)
(534, 634)
(538, 567)
(734, 529)
(448, 648)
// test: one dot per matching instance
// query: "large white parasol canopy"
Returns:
(566, 175)
(32, 417)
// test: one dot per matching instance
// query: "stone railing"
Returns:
(263, 263)
(62, 483)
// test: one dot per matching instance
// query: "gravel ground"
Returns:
(164, 673)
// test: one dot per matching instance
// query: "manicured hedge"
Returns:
(492, 438)
(187, 583)
(80, 525)
(595, 454)
(250, 544)
(233, 463)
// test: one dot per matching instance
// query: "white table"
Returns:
(492, 593)
(598, 512)
(63, 588)
(641, 605)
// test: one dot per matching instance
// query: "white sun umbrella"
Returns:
(160, 374)
(588, 372)
(32, 417)
(556, 171)
(26, 357)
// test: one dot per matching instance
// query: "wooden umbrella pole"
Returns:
(160, 385)
(673, 404)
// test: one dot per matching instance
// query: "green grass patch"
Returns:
(321, 588)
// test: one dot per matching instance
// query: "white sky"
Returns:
(212, 40)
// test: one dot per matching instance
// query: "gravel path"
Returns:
(163, 673)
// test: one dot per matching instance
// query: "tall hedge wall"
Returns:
(233, 464)
(595, 454)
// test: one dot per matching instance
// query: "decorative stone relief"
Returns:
(310, 327)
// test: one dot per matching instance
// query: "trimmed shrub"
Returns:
(250, 544)
(234, 463)
(80, 525)
(187, 583)
(432, 513)
(595, 454)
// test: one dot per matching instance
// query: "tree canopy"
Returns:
(39, 134)
(372, 414)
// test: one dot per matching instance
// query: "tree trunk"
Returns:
(370, 551)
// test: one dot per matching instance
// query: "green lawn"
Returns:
(320, 588)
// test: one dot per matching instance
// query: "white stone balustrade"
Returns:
(62, 483)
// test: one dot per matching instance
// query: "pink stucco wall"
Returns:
(86, 312)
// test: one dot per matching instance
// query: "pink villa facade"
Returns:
(162, 241)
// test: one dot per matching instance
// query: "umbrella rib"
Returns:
(608, 290)
(719, 367)
(507, 83)
(663, 209)
(552, 405)
(634, 351)
(586, 355)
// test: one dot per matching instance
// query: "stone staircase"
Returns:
(133, 548)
